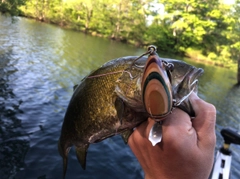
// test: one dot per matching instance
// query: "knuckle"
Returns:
(208, 110)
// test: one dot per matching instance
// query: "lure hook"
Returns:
(150, 50)
(178, 103)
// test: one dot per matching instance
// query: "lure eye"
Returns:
(156, 89)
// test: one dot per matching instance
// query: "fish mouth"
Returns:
(196, 73)
(188, 85)
(191, 79)
(182, 91)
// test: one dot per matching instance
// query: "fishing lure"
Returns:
(156, 92)
(156, 87)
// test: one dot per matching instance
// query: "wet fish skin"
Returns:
(105, 105)
(91, 115)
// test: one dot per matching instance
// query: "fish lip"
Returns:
(192, 76)
(184, 89)
(197, 72)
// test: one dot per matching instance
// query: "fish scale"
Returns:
(109, 102)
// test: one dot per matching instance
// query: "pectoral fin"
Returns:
(119, 105)
(81, 153)
(126, 134)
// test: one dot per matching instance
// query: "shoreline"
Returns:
(192, 54)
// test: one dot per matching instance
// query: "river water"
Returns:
(39, 65)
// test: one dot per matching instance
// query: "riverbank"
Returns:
(198, 56)
(194, 54)
(215, 37)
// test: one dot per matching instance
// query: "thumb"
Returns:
(205, 120)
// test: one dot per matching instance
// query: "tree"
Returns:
(11, 6)
(210, 27)
(235, 31)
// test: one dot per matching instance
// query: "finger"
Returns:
(139, 134)
(178, 118)
(177, 127)
(205, 120)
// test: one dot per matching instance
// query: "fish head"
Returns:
(184, 81)
(181, 79)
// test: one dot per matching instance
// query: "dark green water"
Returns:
(39, 65)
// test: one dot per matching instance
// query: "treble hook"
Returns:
(177, 103)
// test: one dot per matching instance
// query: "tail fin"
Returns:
(63, 151)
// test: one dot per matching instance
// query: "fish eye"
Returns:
(170, 67)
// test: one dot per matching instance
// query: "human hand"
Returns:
(187, 146)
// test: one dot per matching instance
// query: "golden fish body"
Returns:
(109, 102)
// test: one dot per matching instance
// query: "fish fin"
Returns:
(64, 154)
(126, 134)
(119, 105)
(74, 87)
(65, 163)
(81, 153)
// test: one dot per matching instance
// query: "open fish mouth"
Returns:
(192, 77)
(196, 73)
(188, 85)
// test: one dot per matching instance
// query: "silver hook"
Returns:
(151, 49)
(177, 103)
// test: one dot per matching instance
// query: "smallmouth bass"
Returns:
(109, 101)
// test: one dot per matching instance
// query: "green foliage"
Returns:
(209, 27)
(11, 6)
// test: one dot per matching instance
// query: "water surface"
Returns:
(39, 65)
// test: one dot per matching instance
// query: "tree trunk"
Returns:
(238, 72)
